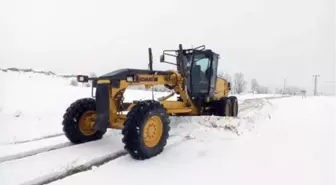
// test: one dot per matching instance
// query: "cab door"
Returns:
(200, 75)
(213, 75)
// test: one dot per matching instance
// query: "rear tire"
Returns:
(221, 107)
(234, 106)
(73, 119)
(143, 116)
(225, 107)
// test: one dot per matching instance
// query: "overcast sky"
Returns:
(265, 39)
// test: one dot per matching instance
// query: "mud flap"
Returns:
(102, 107)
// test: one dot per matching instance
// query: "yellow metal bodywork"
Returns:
(173, 79)
(176, 107)
(222, 88)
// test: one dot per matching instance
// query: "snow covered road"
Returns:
(295, 145)
(46, 160)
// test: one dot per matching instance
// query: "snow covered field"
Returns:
(273, 141)
(34, 104)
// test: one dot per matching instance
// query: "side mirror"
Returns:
(162, 58)
(82, 78)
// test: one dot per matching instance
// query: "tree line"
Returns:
(239, 85)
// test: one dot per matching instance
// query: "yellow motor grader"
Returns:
(145, 124)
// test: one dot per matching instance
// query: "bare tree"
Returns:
(254, 86)
(239, 83)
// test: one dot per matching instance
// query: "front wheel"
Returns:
(78, 121)
(146, 130)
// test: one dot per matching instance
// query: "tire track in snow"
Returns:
(76, 169)
(55, 176)
(249, 104)
(35, 139)
(39, 150)
(34, 152)
(254, 102)
(174, 141)
(59, 163)
(48, 148)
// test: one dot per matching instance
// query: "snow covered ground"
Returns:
(32, 105)
(294, 143)
(273, 141)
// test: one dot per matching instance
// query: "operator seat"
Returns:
(199, 80)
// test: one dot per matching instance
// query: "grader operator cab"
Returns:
(199, 69)
(145, 124)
